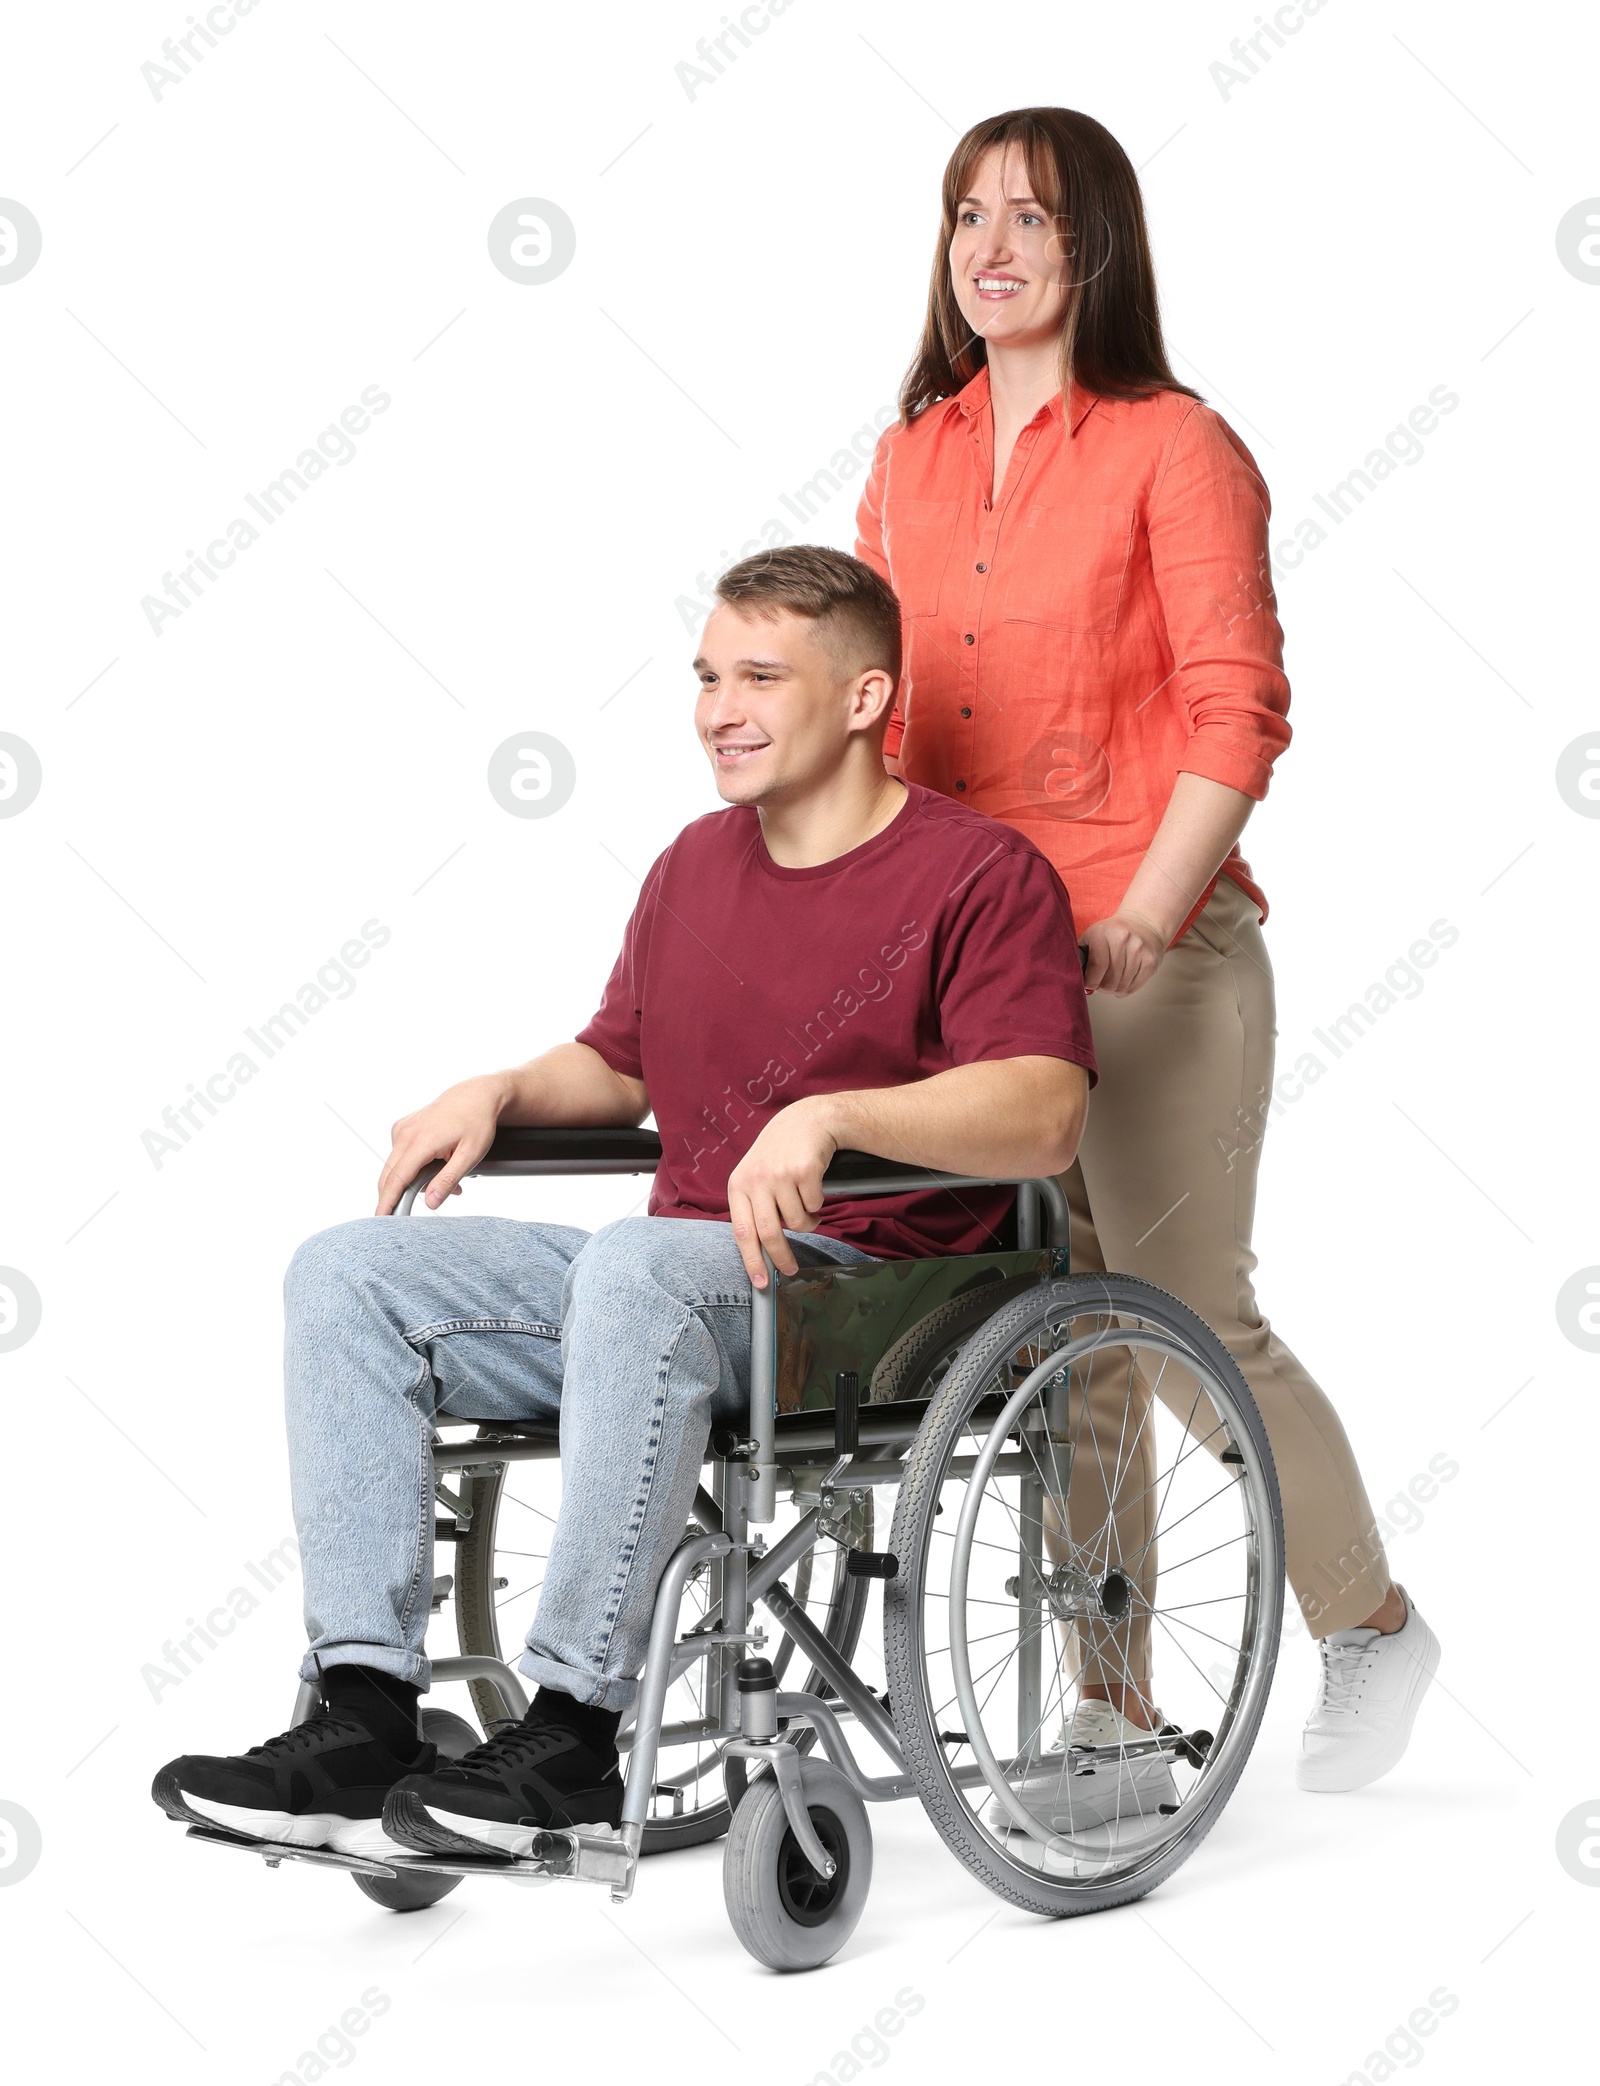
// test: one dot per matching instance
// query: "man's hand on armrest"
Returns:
(569, 1087)
(1012, 1117)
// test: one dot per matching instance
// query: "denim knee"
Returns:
(331, 1258)
(669, 1258)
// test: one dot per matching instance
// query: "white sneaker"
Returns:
(1065, 1802)
(1372, 1684)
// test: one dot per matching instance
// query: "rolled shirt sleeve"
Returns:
(870, 550)
(1208, 548)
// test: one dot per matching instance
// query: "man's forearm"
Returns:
(567, 1087)
(1015, 1116)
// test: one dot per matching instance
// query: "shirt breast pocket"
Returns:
(919, 539)
(1069, 567)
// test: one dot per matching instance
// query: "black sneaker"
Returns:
(322, 1784)
(495, 1798)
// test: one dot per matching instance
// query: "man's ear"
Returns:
(873, 698)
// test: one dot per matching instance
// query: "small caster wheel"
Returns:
(406, 1893)
(453, 1736)
(786, 1914)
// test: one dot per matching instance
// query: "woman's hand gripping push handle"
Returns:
(1121, 953)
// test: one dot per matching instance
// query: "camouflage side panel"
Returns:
(849, 1317)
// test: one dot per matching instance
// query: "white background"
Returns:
(1372, 214)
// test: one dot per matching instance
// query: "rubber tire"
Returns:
(453, 1736)
(750, 1869)
(477, 1631)
(902, 1373)
(902, 1602)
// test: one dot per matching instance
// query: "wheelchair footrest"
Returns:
(591, 1854)
(274, 1851)
(1170, 1742)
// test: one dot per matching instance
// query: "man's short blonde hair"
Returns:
(857, 614)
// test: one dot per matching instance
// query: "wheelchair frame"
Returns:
(867, 1446)
(751, 1573)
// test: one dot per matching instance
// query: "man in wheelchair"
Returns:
(837, 960)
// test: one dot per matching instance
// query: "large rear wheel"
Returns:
(1082, 1633)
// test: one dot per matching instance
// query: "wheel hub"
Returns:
(1076, 1595)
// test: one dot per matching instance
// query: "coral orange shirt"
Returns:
(1105, 624)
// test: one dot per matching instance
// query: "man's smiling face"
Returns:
(775, 714)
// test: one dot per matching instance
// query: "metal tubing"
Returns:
(791, 1787)
(658, 1671)
(761, 1496)
(1059, 1225)
(851, 1688)
(770, 1568)
(872, 1789)
(513, 1699)
(433, 1167)
(684, 1732)
(478, 1455)
(700, 1644)
(810, 1435)
(735, 1617)
(1030, 1633)
(860, 1474)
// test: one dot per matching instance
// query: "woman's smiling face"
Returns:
(1008, 263)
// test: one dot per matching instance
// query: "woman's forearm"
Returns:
(1201, 822)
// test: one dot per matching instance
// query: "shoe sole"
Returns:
(1076, 1805)
(430, 1829)
(1309, 1778)
(363, 1837)
(407, 1819)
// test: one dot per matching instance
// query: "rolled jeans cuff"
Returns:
(382, 1658)
(617, 1693)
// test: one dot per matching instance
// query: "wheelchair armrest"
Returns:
(609, 1149)
(605, 1150)
(628, 1150)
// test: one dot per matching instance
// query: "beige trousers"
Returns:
(1164, 1187)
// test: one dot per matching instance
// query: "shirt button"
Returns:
(961, 785)
(983, 568)
(969, 639)
(965, 711)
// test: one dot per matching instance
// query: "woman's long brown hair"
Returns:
(1110, 323)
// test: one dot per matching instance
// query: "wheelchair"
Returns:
(1083, 1496)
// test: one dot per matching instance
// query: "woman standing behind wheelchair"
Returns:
(1093, 654)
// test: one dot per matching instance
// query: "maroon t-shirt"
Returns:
(946, 939)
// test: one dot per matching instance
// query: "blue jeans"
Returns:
(636, 1336)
